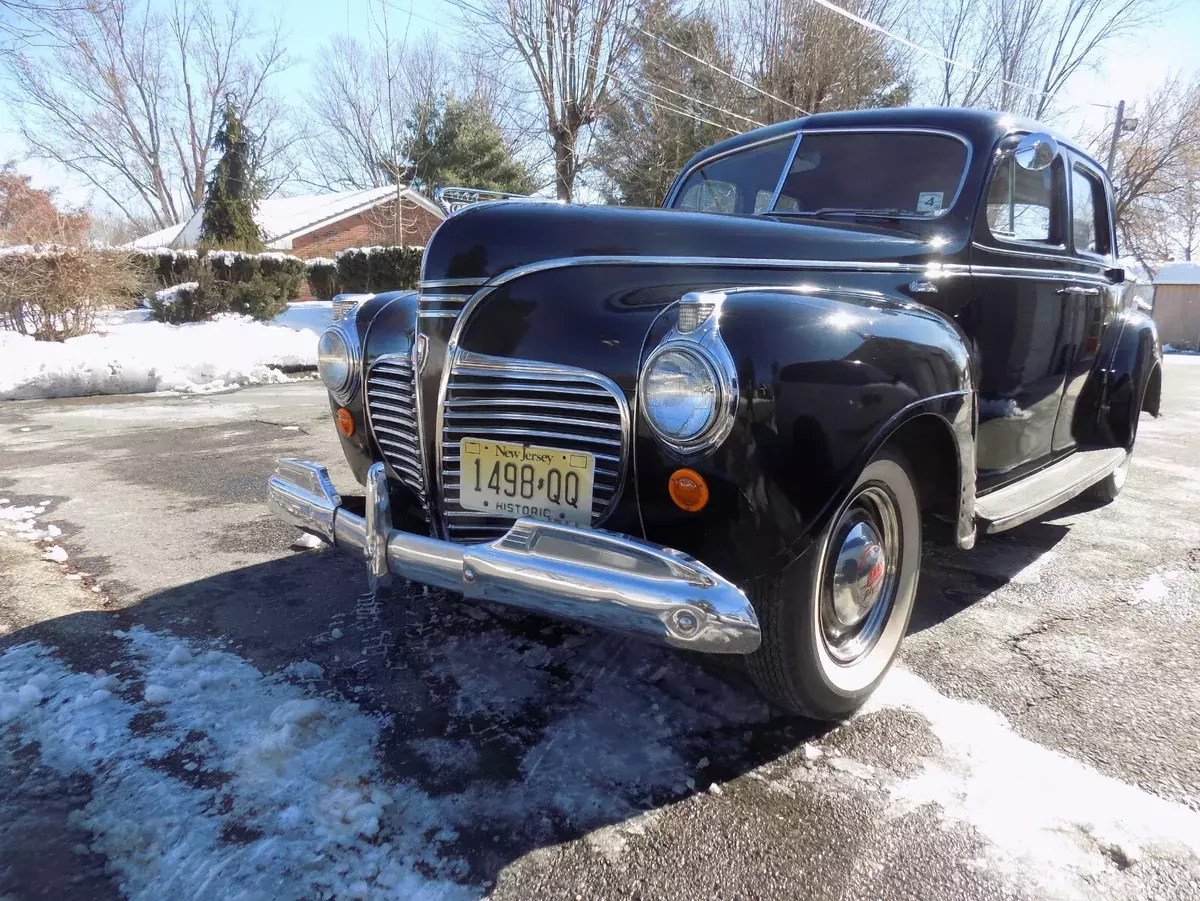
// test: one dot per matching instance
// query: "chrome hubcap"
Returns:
(860, 575)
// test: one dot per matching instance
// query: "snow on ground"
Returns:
(211, 779)
(130, 354)
(1049, 818)
(246, 787)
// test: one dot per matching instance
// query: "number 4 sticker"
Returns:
(929, 201)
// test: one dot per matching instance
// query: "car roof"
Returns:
(980, 126)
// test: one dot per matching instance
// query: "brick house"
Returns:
(320, 225)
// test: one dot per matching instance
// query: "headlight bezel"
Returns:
(702, 342)
(347, 333)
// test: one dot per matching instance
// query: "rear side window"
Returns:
(1089, 220)
(1021, 202)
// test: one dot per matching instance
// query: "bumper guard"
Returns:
(587, 576)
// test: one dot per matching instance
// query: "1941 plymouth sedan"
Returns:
(722, 425)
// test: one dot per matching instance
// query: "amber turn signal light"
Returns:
(688, 490)
(345, 422)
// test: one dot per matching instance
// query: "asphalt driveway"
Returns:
(190, 707)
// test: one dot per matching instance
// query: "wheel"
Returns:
(1106, 490)
(832, 622)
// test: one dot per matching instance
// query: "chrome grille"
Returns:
(393, 410)
(528, 402)
(441, 306)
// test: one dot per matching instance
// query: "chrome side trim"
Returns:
(450, 282)
(1063, 257)
(587, 576)
(875, 129)
(1058, 275)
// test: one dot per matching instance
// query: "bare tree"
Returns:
(1018, 55)
(126, 97)
(1156, 179)
(783, 47)
(571, 50)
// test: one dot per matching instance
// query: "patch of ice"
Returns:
(1047, 816)
(55, 553)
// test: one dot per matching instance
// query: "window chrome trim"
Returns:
(787, 168)
(1088, 171)
(486, 364)
(668, 204)
(884, 129)
(1016, 251)
(1012, 245)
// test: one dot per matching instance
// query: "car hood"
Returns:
(488, 239)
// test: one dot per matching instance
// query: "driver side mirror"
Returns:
(1036, 151)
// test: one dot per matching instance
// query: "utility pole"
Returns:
(1112, 146)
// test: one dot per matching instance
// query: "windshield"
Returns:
(888, 173)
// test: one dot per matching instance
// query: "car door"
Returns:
(1020, 259)
(1091, 296)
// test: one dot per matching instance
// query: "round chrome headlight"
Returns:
(336, 361)
(680, 394)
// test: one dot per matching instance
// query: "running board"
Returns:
(1044, 490)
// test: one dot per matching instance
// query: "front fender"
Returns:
(826, 377)
(1125, 380)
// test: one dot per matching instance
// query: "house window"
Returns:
(1089, 222)
(1020, 202)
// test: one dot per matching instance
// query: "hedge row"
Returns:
(365, 270)
(256, 284)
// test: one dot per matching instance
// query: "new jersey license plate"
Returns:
(524, 480)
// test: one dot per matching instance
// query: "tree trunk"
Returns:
(564, 164)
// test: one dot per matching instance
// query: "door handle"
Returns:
(1079, 289)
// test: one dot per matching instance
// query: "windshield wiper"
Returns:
(889, 213)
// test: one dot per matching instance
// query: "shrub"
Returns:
(260, 297)
(187, 302)
(233, 266)
(286, 271)
(365, 270)
(323, 278)
(53, 292)
(170, 267)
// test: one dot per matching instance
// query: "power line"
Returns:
(713, 106)
(705, 62)
(874, 26)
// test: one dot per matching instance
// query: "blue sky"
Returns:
(1130, 68)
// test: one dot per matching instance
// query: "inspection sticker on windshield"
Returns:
(929, 201)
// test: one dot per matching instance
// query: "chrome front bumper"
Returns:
(587, 576)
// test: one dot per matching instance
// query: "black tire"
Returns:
(1106, 490)
(796, 667)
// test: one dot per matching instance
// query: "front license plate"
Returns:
(524, 480)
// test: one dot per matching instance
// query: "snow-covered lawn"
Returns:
(130, 354)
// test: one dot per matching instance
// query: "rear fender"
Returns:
(1127, 379)
(826, 377)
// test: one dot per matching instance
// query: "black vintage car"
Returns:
(726, 425)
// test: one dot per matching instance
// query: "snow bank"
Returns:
(134, 355)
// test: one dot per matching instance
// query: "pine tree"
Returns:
(234, 190)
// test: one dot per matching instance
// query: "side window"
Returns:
(1021, 202)
(1089, 217)
(710, 196)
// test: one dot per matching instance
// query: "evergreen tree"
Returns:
(456, 142)
(234, 190)
(643, 143)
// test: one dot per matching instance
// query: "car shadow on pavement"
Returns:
(953, 580)
(503, 732)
